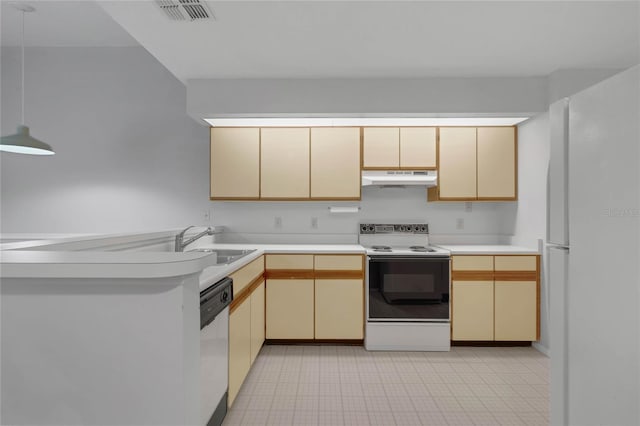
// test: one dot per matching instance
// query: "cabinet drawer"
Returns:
(472, 263)
(243, 277)
(338, 262)
(289, 261)
(516, 263)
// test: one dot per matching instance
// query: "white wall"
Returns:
(530, 221)
(486, 221)
(127, 155)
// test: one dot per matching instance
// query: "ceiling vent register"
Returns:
(183, 10)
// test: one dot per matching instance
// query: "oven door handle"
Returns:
(411, 258)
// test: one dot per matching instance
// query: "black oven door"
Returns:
(408, 288)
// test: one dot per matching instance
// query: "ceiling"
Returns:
(322, 39)
(360, 39)
(62, 23)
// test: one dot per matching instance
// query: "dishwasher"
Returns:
(214, 351)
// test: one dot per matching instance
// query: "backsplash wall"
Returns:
(245, 220)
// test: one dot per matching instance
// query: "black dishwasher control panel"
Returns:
(214, 299)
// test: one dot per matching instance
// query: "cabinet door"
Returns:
(235, 163)
(289, 309)
(257, 321)
(457, 163)
(339, 309)
(516, 316)
(418, 147)
(284, 155)
(381, 147)
(335, 162)
(239, 347)
(472, 310)
(496, 162)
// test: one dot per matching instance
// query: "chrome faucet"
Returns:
(181, 244)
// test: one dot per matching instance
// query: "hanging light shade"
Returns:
(22, 142)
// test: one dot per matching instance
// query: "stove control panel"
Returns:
(377, 228)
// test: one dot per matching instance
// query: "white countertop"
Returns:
(33, 262)
(214, 274)
(145, 264)
(487, 249)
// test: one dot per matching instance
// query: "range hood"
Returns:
(425, 178)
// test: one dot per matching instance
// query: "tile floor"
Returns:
(346, 385)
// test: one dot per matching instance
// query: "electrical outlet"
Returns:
(314, 222)
(460, 223)
(206, 215)
(277, 222)
(467, 207)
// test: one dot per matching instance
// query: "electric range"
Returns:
(408, 287)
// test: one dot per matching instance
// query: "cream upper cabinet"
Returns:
(235, 163)
(472, 310)
(239, 347)
(290, 309)
(284, 155)
(257, 320)
(339, 309)
(457, 163)
(381, 147)
(335, 162)
(418, 148)
(496, 162)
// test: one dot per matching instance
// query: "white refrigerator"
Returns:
(593, 249)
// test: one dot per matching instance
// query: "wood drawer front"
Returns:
(290, 261)
(338, 262)
(516, 263)
(472, 263)
(245, 276)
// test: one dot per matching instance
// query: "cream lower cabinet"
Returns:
(472, 310)
(339, 309)
(516, 310)
(290, 308)
(257, 320)
(239, 347)
(495, 297)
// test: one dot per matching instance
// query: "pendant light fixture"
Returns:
(21, 142)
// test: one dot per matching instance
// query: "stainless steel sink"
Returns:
(224, 256)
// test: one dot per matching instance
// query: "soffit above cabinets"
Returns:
(369, 39)
(363, 121)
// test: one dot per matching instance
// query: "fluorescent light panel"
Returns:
(367, 121)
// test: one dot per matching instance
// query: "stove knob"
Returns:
(363, 228)
(415, 228)
(423, 228)
(371, 228)
(224, 296)
(403, 228)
